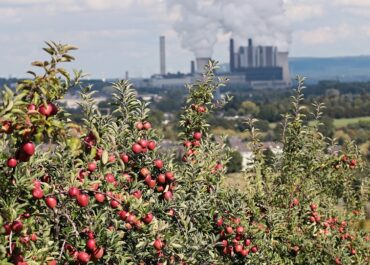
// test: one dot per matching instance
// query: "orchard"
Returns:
(108, 195)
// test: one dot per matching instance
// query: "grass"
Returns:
(234, 180)
(340, 123)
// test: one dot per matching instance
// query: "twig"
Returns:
(73, 224)
(61, 251)
(10, 242)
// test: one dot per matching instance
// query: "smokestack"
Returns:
(198, 29)
(232, 56)
(201, 63)
(250, 42)
(162, 54)
(126, 75)
(283, 61)
(192, 67)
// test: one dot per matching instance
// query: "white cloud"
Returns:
(24, 2)
(353, 3)
(300, 12)
(324, 35)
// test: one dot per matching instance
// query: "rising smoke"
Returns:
(198, 22)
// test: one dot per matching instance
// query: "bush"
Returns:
(102, 193)
(235, 163)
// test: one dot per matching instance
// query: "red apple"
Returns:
(123, 215)
(169, 176)
(28, 148)
(244, 252)
(37, 193)
(238, 248)
(12, 162)
(99, 197)
(143, 143)
(197, 135)
(168, 195)
(114, 204)
(125, 158)
(73, 192)
(139, 125)
(240, 230)
(148, 218)
(151, 145)
(229, 230)
(82, 200)
(33, 237)
(158, 163)
(147, 125)
(83, 257)
(91, 166)
(137, 194)
(98, 253)
(158, 244)
(46, 110)
(144, 172)
(17, 226)
(51, 202)
(91, 244)
(161, 178)
(136, 148)
(110, 178)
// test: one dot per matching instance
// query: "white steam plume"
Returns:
(199, 21)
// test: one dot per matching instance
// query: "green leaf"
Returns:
(105, 157)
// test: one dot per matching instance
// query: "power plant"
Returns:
(249, 67)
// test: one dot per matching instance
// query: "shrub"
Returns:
(101, 192)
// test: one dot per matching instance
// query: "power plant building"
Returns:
(259, 64)
(249, 66)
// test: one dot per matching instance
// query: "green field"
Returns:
(339, 123)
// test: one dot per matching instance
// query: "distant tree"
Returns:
(235, 163)
(332, 93)
(327, 128)
(269, 156)
(269, 112)
(249, 108)
(263, 125)
(156, 118)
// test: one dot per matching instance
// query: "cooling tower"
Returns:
(192, 67)
(201, 63)
(282, 61)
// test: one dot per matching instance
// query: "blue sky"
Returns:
(119, 35)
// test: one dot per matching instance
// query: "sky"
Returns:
(115, 36)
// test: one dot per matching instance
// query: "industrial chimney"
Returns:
(250, 42)
(192, 67)
(201, 63)
(283, 61)
(162, 54)
(232, 56)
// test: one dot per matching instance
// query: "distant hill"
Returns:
(346, 69)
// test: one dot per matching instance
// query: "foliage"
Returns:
(235, 163)
(104, 193)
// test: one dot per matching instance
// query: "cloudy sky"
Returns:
(119, 35)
